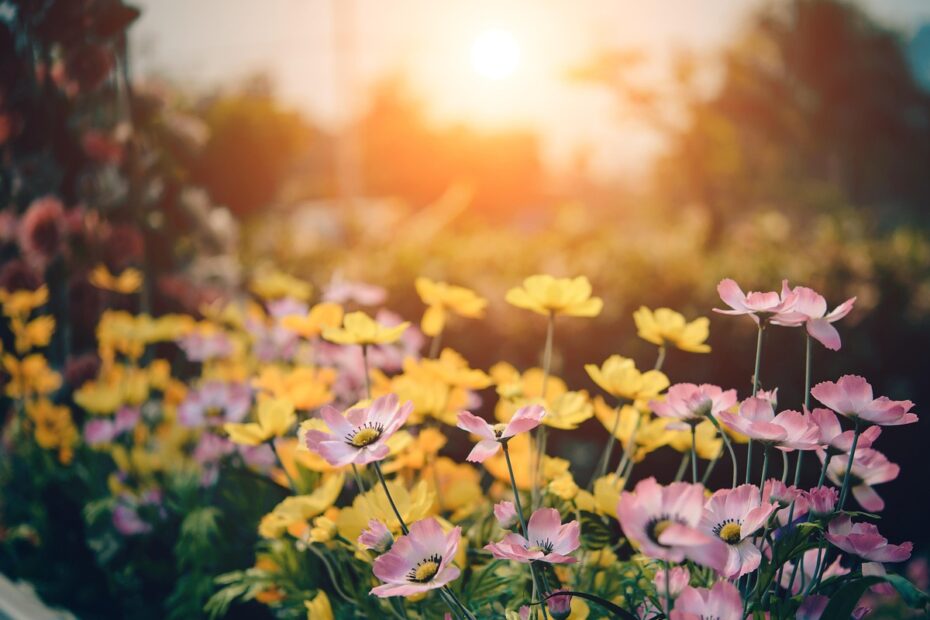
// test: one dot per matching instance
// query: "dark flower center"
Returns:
(425, 569)
(365, 435)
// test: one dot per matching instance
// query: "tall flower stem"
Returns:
(365, 366)
(434, 346)
(682, 466)
(445, 592)
(358, 479)
(629, 446)
(755, 390)
(765, 468)
(729, 445)
(694, 467)
(604, 461)
(784, 471)
(668, 593)
(541, 431)
(849, 463)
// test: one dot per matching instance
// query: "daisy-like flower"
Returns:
(665, 326)
(735, 516)
(126, 282)
(822, 500)
(506, 514)
(492, 436)
(834, 439)
(664, 522)
(275, 417)
(359, 328)
(869, 467)
(215, 402)
(851, 396)
(419, 561)
(377, 537)
(809, 563)
(546, 295)
(722, 601)
(864, 541)
(360, 436)
(619, 377)
(441, 298)
(787, 431)
(777, 492)
(810, 310)
(547, 540)
(690, 404)
(755, 304)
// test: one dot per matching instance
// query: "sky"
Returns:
(205, 44)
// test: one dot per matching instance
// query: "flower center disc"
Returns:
(730, 533)
(426, 571)
(659, 527)
(365, 437)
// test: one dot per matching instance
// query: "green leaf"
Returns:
(595, 533)
(910, 594)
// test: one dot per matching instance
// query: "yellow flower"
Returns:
(30, 375)
(459, 489)
(359, 328)
(322, 531)
(321, 316)
(102, 396)
(450, 368)
(440, 297)
(275, 284)
(564, 410)
(54, 429)
(418, 451)
(305, 387)
(413, 505)
(707, 442)
(318, 608)
(522, 453)
(622, 429)
(36, 333)
(607, 494)
(547, 295)
(667, 326)
(619, 377)
(300, 508)
(568, 410)
(127, 282)
(275, 417)
(564, 487)
(22, 302)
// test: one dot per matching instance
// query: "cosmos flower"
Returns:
(359, 328)
(735, 516)
(832, 436)
(809, 562)
(810, 309)
(275, 418)
(787, 431)
(691, 404)
(851, 396)
(441, 298)
(419, 561)
(619, 377)
(360, 436)
(754, 304)
(664, 326)
(322, 316)
(506, 514)
(822, 500)
(869, 467)
(864, 541)
(215, 402)
(664, 523)
(377, 537)
(721, 601)
(547, 540)
(549, 296)
(525, 419)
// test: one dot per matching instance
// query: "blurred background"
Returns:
(654, 147)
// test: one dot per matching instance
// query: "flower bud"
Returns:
(506, 514)
(822, 500)
(376, 538)
(560, 606)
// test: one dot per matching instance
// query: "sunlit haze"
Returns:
(495, 54)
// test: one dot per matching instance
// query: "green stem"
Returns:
(694, 467)
(660, 358)
(784, 469)
(748, 460)
(387, 492)
(755, 373)
(434, 346)
(365, 365)
(682, 466)
(629, 445)
(609, 448)
(516, 491)
(729, 445)
(765, 467)
(849, 463)
(358, 479)
(541, 432)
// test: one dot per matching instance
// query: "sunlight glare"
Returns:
(495, 54)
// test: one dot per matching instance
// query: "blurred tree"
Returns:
(254, 145)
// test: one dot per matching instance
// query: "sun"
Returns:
(495, 54)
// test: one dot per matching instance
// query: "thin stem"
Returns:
(668, 594)
(358, 479)
(755, 373)
(367, 377)
(808, 354)
(660, 358)
(849, 463)
(434, 346)
(682, 466)
(765, 468)
(516, 491)
(629, 445)
(694, 467)
(784, 469)
(729, 445)
(387, 492)
(455, 600)
(749, 460)
(823, 468)
(541, 432)
(609, 448)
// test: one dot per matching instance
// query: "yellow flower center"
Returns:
(660, 527)
(365, 437)
(730, 533)
(425, 571)
(499, 429)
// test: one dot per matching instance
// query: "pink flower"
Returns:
(722, 601)
(863, 540)
(506, 514)
(215, 403)
(665, 523)
(810, 309)
(808, 564)
(525, 419)
(813, 607)
(851, 396)
(343, 291)
(99, 431)
(359, 437)
(547, 540)
(753, 303)
(822, 500)
(377, 537)
(869, 467)
(419, 561)
(787, 431)
(690, 403)
(735, 516)
(833, 437)
(778, 492)
(42, 231)
(679, 578)
(201, 347)
(560, 605)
